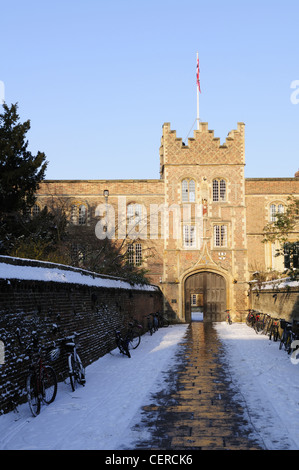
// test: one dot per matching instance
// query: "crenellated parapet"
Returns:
(203, 148)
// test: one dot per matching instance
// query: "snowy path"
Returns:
(100, 415)
(268, 384)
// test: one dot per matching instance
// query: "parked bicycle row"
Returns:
(41, 382)
(278, 329)
(156, 321)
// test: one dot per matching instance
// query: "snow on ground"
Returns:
(100, 415)
(268, 383)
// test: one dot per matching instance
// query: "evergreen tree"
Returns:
(20, 175)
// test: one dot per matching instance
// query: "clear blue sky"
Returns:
(99, 78)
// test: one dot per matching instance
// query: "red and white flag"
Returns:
(197, 76)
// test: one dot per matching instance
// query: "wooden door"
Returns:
(210, 290)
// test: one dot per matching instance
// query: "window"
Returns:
(134, 214)
(275, 209)
(291, 255)
(79, 214)
(131, 254)
(219, 190)
(189, 236)
(188, 190)
(277, 261)
(135, 254)
(82, 215)
(35, 210)
(220, 235)
(138, 254)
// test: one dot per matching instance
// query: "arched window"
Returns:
(219, 190)
(188, 190)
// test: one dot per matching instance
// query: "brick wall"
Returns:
(279, 299)
(260, 194)
(93, 306)
(245, 212)
(66, 193)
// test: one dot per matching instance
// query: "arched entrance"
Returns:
(205, 295)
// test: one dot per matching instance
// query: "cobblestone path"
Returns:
(197, 411)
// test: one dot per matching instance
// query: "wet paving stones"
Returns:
(199, 410)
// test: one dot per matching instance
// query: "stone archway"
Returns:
(205, 292)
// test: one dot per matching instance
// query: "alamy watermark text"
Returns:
(295, 94)
(2, 92)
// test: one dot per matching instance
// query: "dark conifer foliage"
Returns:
(20, 174)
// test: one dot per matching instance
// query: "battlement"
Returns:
(233, 135)
(203, 148)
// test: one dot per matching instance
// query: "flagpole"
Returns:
(197, 88)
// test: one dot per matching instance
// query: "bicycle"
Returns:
(257, 325)
(266, 324)
(250, 319)
(295, 337)
(274, 329)
(162, 321)
(289, 336)
(261, 323)
(150, 326)
(41, 382)
(286, 337)
(155, 321)
(75, 367)
(228, 317)
(134, 334)
(76, 370)
(122, 343)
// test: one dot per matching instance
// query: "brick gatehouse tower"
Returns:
(198, 229)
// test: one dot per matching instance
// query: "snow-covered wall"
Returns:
(32, 270)
(279, 298)
(36, 295)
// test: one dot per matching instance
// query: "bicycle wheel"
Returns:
(256, 327)
(79, 371)
(134, 339)
(49, 384)
(266, 326)
(150, 327)
(274, 334)
(288, 343)
(32, 393)
(250, 320)
(126, 348)
(282, 341)
(76, 371)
